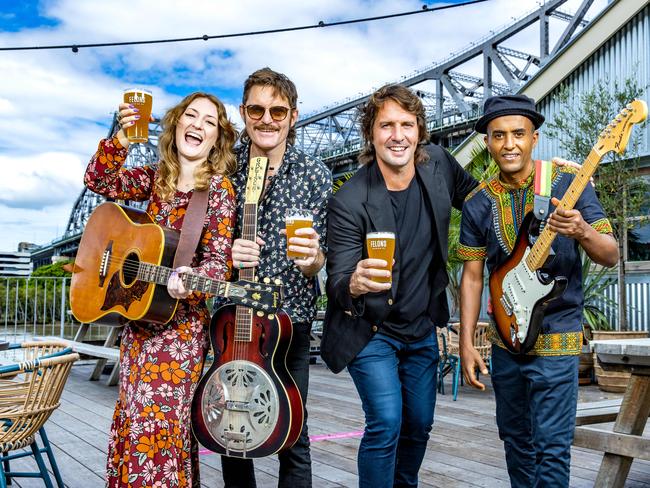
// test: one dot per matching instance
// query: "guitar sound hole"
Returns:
(130, 269)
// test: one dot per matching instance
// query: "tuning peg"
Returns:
(267, 280)
(260, 313)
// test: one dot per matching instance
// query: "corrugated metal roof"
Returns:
(625, 55)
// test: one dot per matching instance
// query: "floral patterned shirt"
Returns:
(301, 182)
(106, 176)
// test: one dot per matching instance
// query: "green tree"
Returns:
(481, 167)
(577, 126)
(54, 270)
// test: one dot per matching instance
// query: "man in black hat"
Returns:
(536, 393)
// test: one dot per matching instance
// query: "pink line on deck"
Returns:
(316, 438)
(337, 435)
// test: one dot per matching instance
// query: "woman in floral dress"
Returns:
(151, 442)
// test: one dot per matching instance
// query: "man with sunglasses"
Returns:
(294, 180)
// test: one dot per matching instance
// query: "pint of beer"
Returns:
(296, 218)
(381, 245)
(140, 99)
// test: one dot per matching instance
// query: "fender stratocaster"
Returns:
(518, 290)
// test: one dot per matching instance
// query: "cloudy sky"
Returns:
(55, 105)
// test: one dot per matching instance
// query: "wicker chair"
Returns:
(450, 355)
(483, 345)
(449, 359)
(30, 391)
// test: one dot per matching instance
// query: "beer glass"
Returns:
(381, 245)
(140, 99)
(296, 218)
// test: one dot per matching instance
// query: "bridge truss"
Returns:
(451, 90)
(87, 201)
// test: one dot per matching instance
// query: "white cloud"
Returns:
(43, 180)
(56, 105)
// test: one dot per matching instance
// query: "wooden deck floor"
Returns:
(464, 450)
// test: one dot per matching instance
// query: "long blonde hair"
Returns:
(221, 159)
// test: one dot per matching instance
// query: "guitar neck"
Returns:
(244, 315)
(153, 273)
(249, 232)
(539, 251)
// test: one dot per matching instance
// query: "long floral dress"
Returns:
(151, 442)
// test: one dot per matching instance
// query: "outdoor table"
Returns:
(626, 441)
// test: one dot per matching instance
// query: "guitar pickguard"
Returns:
(116, 294)
(522, 289)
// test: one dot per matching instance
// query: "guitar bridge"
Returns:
(105, 263)
(238, 406)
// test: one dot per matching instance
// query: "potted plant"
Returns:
(597, 326)
(594, 319)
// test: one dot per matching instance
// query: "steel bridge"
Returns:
(87, 201)
(451, 91)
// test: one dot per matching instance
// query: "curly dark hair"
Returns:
(406, 99)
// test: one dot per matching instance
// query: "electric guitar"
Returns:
(519, 292)
(121, 270)
(247, 404)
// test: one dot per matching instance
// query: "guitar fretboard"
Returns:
(539, 251)
(154, 273)
(243, 315)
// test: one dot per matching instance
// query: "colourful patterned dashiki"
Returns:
(151, 442)
(492, 215)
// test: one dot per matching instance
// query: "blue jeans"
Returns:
(536, 410)
(397, 385)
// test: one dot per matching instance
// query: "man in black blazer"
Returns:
(384, 332)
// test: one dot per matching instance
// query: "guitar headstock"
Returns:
(255, 179)
(617, 133)
(265, 297)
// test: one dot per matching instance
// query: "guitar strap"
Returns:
(191, 229)
(543, 171)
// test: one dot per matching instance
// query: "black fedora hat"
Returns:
(508, 105)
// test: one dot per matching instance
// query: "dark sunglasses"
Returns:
(256, 112)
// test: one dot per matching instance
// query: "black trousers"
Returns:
(295, 462)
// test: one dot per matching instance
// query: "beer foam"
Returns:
(138, 90)
(380, 235)
(309, 217)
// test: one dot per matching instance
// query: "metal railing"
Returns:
(40, 306)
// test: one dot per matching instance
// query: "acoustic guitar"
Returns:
(247, 404)
(122, 266)
(518, 290)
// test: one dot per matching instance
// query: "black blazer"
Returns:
(363, 205)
